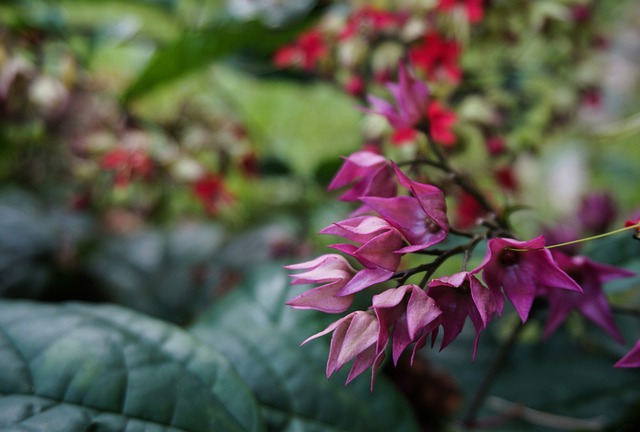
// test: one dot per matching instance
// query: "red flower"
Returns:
(305, 52)
(372, 19)
(507, 179)
(468, 211)
(438, 58)
(127, 165)
(210, 190)
(495, 145)
(440, 122)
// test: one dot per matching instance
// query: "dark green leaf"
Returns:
(75, 367)
(565, 375)
(261, 337)
(198, 49)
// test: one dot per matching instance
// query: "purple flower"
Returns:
(377, 242)
(411, 313)
(597, 212)
(411, 96)
(369, 173)
(459, 296)
(631, 359)
(331, 270)
(354, 337)
(421, 218)
(521, 274)
(593, 303)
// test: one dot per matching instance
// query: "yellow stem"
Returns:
(586, 239)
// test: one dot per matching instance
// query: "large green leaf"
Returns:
(75, 367)
(200, 48)
(261, 337)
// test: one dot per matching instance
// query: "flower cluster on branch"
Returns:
(402, 205)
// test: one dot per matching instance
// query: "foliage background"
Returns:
(199, 295)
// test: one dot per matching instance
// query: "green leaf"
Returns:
(143, 270)
(565, 375)
(200, 48)
(301, 124)
(75, 367)
(261, 337)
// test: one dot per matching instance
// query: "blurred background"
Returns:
(152, 152)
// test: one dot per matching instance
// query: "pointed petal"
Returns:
(323, 299)
(631, 359)
(364, 279)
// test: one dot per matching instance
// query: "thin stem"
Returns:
(625, 309)
(470, 418)
(582, 240)
(461, 180)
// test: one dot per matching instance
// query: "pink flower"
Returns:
(411, 96)
(593, 303)
(521, 274)
(410, 312)
(437, 57)
(354, 337)
(460, 296)
(369, 174)
(421, 218)
(597, 212)
(377, 241)
(631, 359)
(473, 8)
(331, 270)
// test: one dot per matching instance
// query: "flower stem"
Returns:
(582, 240)
(470, 418)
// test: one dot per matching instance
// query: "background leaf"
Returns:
(76, 367)
(261, 337)
(198, 49)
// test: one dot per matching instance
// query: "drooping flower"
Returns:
(331, 270)
(437, 57)
(411, 97)
(306, 52)
(421, 218)
(377, 243)
(631, 359)
(522, 269)
(593, 302)
(354, 337)
(409, 311)
(369, 174)
(473, 8)
(459, 296)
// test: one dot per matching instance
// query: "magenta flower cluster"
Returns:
(398, 216)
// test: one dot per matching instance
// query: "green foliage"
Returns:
(261, 337)
(76, 367)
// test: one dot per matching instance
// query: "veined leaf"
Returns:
(77, 367)
(261, 337)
